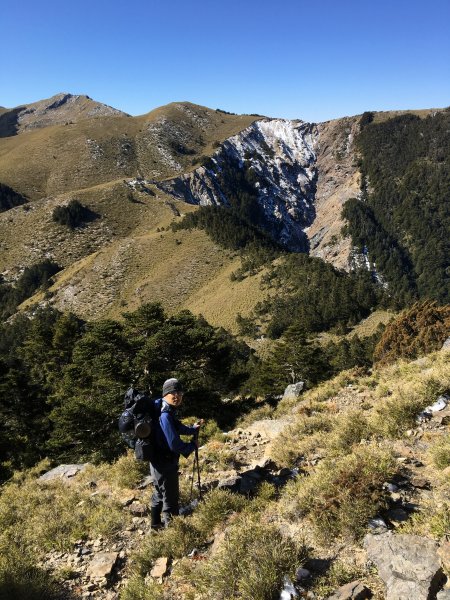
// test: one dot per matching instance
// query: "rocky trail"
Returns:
(394, 565)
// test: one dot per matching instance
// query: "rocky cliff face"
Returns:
(302, 173)
(338, 180)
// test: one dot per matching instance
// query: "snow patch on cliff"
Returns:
(281, 155)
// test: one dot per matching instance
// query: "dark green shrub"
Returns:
(73, 215)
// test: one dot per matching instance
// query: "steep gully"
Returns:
(301, 173)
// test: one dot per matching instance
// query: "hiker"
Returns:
(165, 454)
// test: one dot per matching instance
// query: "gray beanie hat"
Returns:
(170, 386)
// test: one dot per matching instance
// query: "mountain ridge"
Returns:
(123, 168)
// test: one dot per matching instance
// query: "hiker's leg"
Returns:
(171, 493)
(157, 498)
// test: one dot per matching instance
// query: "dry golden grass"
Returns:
(219, 300)
(120, 261)
(41, 237)
(369, 326)
(181, 270)
(59, 158)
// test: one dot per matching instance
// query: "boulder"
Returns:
(64, 472)
(408, 564)
(418, 481)
(444, 554)
(293, 391)
(351, 591)
(102, 564)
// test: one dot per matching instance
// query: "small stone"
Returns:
(420, 482)
(351, 591)
(302, 574)
(377, 524)
(159, 568)
(138, 509)
(63, 472)
(127, 499)
(102, 564)
(397, 516)
(391, 487)
(284, 472)
(293, 391)
(231, 483)
(263, 463)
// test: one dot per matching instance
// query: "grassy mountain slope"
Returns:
(119, 259)
(180, 271)
(66, 157)
(90, 160)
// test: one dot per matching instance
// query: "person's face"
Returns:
(174, 398)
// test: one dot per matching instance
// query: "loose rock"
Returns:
(102, 564)
(408, 565)
(159, 568)
(351, 591)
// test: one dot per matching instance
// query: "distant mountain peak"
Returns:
(60, 109)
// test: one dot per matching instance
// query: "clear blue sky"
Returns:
(312, 60)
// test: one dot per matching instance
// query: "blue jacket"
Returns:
(167, 430)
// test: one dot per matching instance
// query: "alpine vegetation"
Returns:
(224, 354)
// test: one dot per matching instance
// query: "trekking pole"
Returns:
(192, 479)
(196, 464)
(198, 474)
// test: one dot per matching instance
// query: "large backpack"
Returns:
(135, 423)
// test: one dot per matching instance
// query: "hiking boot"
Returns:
(155, 516)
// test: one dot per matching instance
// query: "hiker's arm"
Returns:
(173, 438)
(186, 429)
(189, 430)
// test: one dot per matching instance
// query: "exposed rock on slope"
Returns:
(280, 156)
(338, 180)
(304, 173)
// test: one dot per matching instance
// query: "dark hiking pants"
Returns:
(166, 492)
